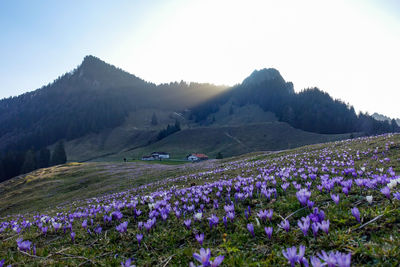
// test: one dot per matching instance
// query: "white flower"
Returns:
(198, 216)
(392, 184)
(363, 169)
(258, 222)
(369, 199)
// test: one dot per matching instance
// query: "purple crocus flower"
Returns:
(56, 226)
(187, 223)
(72, 236)
(98, 229)
(342, 259)
(335, 198)
(139, 238)
(213, 220)
(250, 227)
(231, 215)
(122, 227)
(324, 225)
(127, 263)
(329, 259)
(44, 230)
(2, 263)
(356, 213)
(285, 225)
(203, 257)
(268, 231)
(291, 254)
(200, 238)
(397, 195)
(386, 191)
(270, 212)
(315, 262)
(304, 225)
(303, 195)
(84, 224)
(24, 245)
(315, 228)
(217, 261)
(117, 215)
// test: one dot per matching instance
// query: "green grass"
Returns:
(162, 162)
(171, 244)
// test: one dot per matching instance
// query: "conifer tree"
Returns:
(59, 156)
(29, 162)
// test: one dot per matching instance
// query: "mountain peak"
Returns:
(259, 76)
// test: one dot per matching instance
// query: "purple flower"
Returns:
(250, 227)
(386, 191)
(117, 215)
(262, 214)
(122, 227)
(285, 225)
(84, 224)
(203, 257)
(139, 238)
(268, 231)
(303, 195)
(98, 229)
(291, 254)
(187, 223)
(324, 225)
(2, 263)
(397, 195)
(329, 259)
(315, 228)
(304, 225)
(315, 262)
(231, 215)
(213, 220)
(343, 260)
(200, 238)
(56, 226)
(356, 213)
(217, 261)
(72, 236)
(127, 263)
(44, 230)
(335, 198)
(24, 245)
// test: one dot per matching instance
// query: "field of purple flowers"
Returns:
(333, 204)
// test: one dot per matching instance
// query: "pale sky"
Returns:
(350, 49)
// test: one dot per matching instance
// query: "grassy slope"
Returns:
(171, 244)
(49, 187)
(234, 140)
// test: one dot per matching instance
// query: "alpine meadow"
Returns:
(199, 133)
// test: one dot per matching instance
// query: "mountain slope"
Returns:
(310, 110)
(230, 140)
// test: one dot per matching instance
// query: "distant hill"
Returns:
(381, 117)
(100, 111)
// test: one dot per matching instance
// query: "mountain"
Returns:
(310, 110)
(100, 112)
(381, 117)
(93, 97)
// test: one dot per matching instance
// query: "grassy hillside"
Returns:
(335, 203)
(234, 140)
(49, 187)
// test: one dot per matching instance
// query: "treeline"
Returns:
(311, 109)
(14, 163)
(169, 130)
